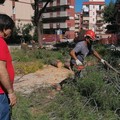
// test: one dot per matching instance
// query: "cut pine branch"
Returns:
(111, 67)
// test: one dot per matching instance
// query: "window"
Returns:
(62, 9)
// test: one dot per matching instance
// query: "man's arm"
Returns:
(6, 83)
(72, 54)
(96, 54)
(4, 78)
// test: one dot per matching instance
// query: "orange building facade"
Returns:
(59, 18)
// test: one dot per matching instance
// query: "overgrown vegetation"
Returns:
(95, 96)
(32, 60)
(109, 12)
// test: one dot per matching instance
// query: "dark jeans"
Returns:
(4, 107)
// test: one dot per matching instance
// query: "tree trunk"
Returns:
(2, 1)
(39, 30)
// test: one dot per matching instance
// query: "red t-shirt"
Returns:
(5, 56)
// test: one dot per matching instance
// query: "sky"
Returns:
(78, 4)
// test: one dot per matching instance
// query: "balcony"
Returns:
(85, 18)
(99, 17)
(77, 21)
(85, 14)
(100, 11)
(54, 25)
(99, 30)
(85, 22)
(46, 26)
(55, 14)
(55, 5)
(99, 22)
(77, 18)
(64, 2)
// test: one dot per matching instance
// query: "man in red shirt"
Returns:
(7, 95)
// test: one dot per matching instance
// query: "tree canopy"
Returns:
(109, 12)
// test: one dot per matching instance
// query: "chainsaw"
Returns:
(80, 67)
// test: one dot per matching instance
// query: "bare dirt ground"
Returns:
(41, 78)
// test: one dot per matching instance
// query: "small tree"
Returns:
(26, 32)
(109, 17)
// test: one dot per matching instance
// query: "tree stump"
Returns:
(33, 44)
(24, 46)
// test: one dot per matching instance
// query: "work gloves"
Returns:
(102, 61)
(78, 62)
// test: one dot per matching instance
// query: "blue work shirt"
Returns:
(81, 50)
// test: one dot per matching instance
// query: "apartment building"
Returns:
(19, 10)
(78, 21)
(58, 18)
(92, 16)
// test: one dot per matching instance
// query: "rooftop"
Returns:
(93, 3)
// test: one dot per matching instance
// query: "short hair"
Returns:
(6, 22)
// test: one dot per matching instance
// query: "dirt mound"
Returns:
(45, 77)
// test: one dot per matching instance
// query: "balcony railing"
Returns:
(99, 11)
(99, 23)
(55, 14)
(86, 18)
(55, 4)
(99, 17)
(86, 22)
(99, 30)
(85, 15)
(54, 25)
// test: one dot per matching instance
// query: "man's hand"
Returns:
(102, 61)
(78, 62)
(12, 98)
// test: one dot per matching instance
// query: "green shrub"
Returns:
(27, 67)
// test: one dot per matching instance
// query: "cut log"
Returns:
(57, 63)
